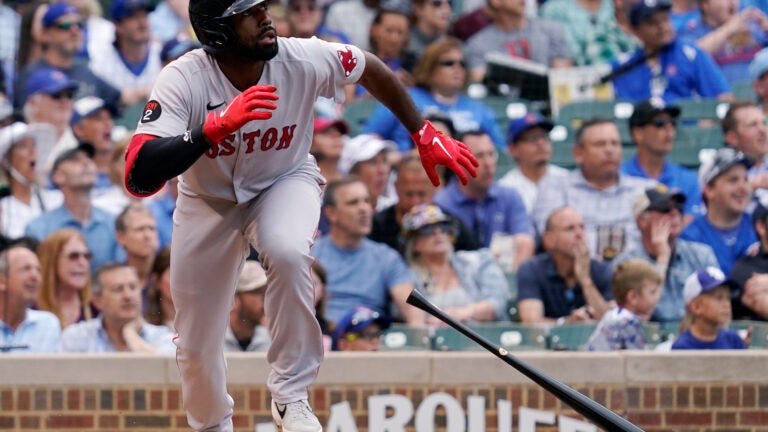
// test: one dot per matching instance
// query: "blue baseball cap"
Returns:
(122, 9)
(644, 9)
(703, 281)
(356, 320)
(49, 80)
(176, 47)
(56, 11)
(528, 121)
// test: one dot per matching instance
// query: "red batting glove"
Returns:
(240, 111)
(436, 148)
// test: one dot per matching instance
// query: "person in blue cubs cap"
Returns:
(360, 330)
(665, 66)
(530, 146)
(62, 35)
(707, 296)
(653, 128)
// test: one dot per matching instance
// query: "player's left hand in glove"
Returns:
(247, 106)
(436, 148)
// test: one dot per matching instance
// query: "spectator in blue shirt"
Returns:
(563, 284)
(708, 301)
(359, 271)
(75, 174)
(658, 213)
(485, 207)
(731, 36)
(653, 127)
(120, 326)
(163, 208)
(726, 226)
(441, 81)
(665, 66)
(22, 329)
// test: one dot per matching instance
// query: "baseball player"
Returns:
(235, 120)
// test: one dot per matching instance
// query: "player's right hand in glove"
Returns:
(436, 148)
(247, 106)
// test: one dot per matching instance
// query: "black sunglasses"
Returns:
(438, 3)
(661, 122)
(445, 227)
(68, 94)
(68, 25)
(449, 63)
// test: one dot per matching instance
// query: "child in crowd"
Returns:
(707, 296)
(636, 285)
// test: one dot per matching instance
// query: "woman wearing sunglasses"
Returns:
(66, 287)
(468, 285)
(440, 79)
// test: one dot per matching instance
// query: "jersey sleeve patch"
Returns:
(152, 111)
(348, 60)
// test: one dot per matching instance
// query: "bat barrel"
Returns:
(602, 416)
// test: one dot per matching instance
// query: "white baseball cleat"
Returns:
(295, 417)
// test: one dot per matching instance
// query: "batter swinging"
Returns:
(235, 121)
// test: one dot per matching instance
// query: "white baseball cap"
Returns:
(362, 148)
(12, 134)
(252, 278)
(703, 281)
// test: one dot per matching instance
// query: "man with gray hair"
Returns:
(23, 329)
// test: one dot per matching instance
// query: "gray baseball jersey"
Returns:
(251, 159)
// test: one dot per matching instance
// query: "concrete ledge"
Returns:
(413, 367)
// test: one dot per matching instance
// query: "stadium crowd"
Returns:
(622, 236)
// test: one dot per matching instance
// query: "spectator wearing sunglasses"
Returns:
(50, 105)
(62, 39)
(653, 126)
(74, 173)
(66, 287)
(726, 226)
(468, 285)
(659, 216)
(360, 330)
(305, 19)
(441, 83)
(431, 21)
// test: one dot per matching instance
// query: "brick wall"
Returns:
(711, 391)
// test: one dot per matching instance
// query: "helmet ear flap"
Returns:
(215, 35)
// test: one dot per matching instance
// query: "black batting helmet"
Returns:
(208, 19)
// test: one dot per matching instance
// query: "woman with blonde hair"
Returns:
(66, 287)
(468, 285)
(441, 82)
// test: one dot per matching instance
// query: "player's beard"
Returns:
(256, 51)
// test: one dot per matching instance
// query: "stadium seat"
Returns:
(130, 115)
(744, 91)
(562, 146)
(507, 109)
(570, 337)
(702, 112)
(653, 334)
(510, 336)
(574, 113)
(504, 163)
(759, 338)
(402, 337)
(689, 142)
(357, 112)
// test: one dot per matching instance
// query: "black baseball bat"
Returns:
(600, 415)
